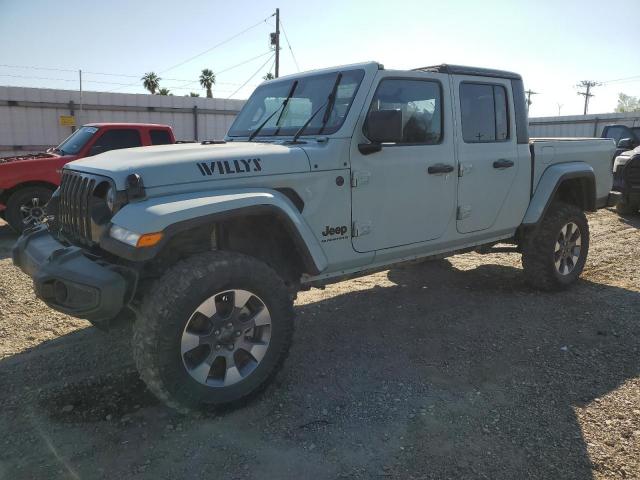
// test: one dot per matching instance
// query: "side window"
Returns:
(485, 113)
(617, 133)
(159, 137)
(420, 103)
(116, 139)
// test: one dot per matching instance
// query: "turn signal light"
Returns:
(149, 239)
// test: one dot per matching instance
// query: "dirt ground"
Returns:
(449, 369)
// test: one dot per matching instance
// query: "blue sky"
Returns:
(553, 44)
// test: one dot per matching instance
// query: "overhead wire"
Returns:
(289, 44)
(251, 77)
(219, 44)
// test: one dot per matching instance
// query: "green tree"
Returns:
(164, 91)
(151, 82)
(208, 80)
(627, 103)
(268, 76)
(193, 94)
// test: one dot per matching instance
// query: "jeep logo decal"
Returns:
(336, 233)
(226, 167)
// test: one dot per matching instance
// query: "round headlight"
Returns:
(110, 198)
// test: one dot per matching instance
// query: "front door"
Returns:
(406, 192)
(487, 150)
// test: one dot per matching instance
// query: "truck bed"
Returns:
(597, 152)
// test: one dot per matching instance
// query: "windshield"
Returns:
(636, 132)
(78, 139)
(310, 94)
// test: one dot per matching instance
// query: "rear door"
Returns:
(487, 149)
(405, 193)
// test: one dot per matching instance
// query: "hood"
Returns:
(29, 156)
(193, 162)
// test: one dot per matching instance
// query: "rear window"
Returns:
(160, 137)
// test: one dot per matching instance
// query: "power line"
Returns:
(289, 44)
(633, 77)
(111, 74)
(251, 77)
(30, 77)
(191, 82)
(219, 44)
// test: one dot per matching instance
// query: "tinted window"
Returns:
(160, 137)
(618, 133)
(116, 139)
(485, 114)
(421, 106)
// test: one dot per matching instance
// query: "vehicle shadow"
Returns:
(437, 373)
(7, 238)
(630, 219)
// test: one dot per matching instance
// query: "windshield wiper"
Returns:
(282, 106)
(331, 100)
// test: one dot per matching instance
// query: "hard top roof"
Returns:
(465, 70)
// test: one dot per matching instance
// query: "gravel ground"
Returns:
(448, 369)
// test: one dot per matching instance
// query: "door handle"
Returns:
(503, 163)
(439, 168)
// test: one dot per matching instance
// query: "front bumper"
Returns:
(69, 281)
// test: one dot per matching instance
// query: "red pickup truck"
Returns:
(27, 181)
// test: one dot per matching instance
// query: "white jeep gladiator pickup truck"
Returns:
(324, 175)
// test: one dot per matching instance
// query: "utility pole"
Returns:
(560, 105)
(80, 114)
(587, 85)
(529, 93)
(277, 42)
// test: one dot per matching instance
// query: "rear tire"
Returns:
(193, 343)
(25, 207)
(554, 254)
(624, 208)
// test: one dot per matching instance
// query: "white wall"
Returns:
(29, 117)
(579, 125)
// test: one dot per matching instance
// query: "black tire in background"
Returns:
(539, 252)
(25, 201)
(169, 309)
(624, 208)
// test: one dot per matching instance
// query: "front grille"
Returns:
(74, 208)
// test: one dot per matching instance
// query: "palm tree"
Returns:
(164, 91)
(268, 76)
(193, 94)
(151, 82)
(207, 80)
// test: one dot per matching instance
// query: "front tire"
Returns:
(554, 254)
(214, 331)
(26, 207)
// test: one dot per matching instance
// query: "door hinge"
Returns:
(360, 229)
(464, 168)
(464, 211)
(359, 178)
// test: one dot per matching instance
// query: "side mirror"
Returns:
(384, 126)
(625, 143)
